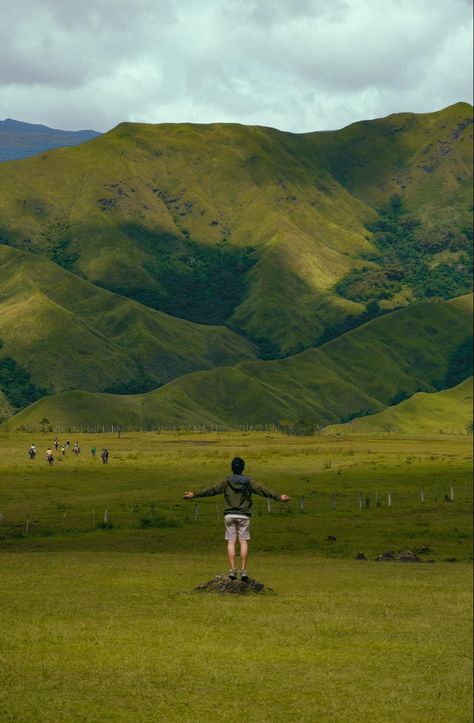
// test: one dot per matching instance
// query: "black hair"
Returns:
(238, 465)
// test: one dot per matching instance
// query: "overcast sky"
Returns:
(297, 65)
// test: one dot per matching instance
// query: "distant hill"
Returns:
(421, 347)
(21, 140)
(445, 412)
(289, 239)
(63, 332)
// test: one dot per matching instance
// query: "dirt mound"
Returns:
(223, 584)
(406, 556)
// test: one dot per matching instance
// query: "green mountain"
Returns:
(424, 347)
(58, 332)
(255, 228)
(446, 412)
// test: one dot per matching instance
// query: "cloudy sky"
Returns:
(297, 65)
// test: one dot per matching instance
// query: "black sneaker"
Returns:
(244, 576)
(232, 575)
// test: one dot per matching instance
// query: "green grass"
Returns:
(121, 637)
(104, 624)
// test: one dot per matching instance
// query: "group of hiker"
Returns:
(62, 448)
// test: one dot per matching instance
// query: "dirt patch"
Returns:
(224, 585)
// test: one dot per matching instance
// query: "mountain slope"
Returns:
(21, 140)
(246, 226)
(417, 348)
(445, 412)
(68, 333)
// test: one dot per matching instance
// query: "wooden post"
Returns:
(360, 500)
(106, 517)
(422, 494)
(376, 499)
(301, 504)
(64, 518)
(196, 514)
(389, 499)
(27, 522)
(451, 493)
(269, 505)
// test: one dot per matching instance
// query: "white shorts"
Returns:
(237, 526)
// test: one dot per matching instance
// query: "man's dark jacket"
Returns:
(237, 490)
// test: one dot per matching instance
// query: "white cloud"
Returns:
(294, 64)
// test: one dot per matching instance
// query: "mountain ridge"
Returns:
(411, 350)
(19, 139)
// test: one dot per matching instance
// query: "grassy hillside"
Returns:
(246, 226)
(446, 412)
(67, 333)
(421, 348)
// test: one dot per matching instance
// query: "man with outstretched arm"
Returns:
(237, 489)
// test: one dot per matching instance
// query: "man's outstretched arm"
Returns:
(265, 492)
(216, 489)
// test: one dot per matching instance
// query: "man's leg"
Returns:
(244, 553)
(231, 553)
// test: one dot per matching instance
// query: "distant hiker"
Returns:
(93, 450)
(49, 456)
(68, 444)
(63, 450)
(56, 443)
(76, 449)
(104, 455)
(237, 490)
(32, 451)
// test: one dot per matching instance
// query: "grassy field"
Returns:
(102, 623)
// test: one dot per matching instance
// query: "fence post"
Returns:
(389, 499)
(106, 517)
(451, 493)
(64, 519)
(269, 505)
(196, 514)
(27, 522)
(360, 500)
(422, 494)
